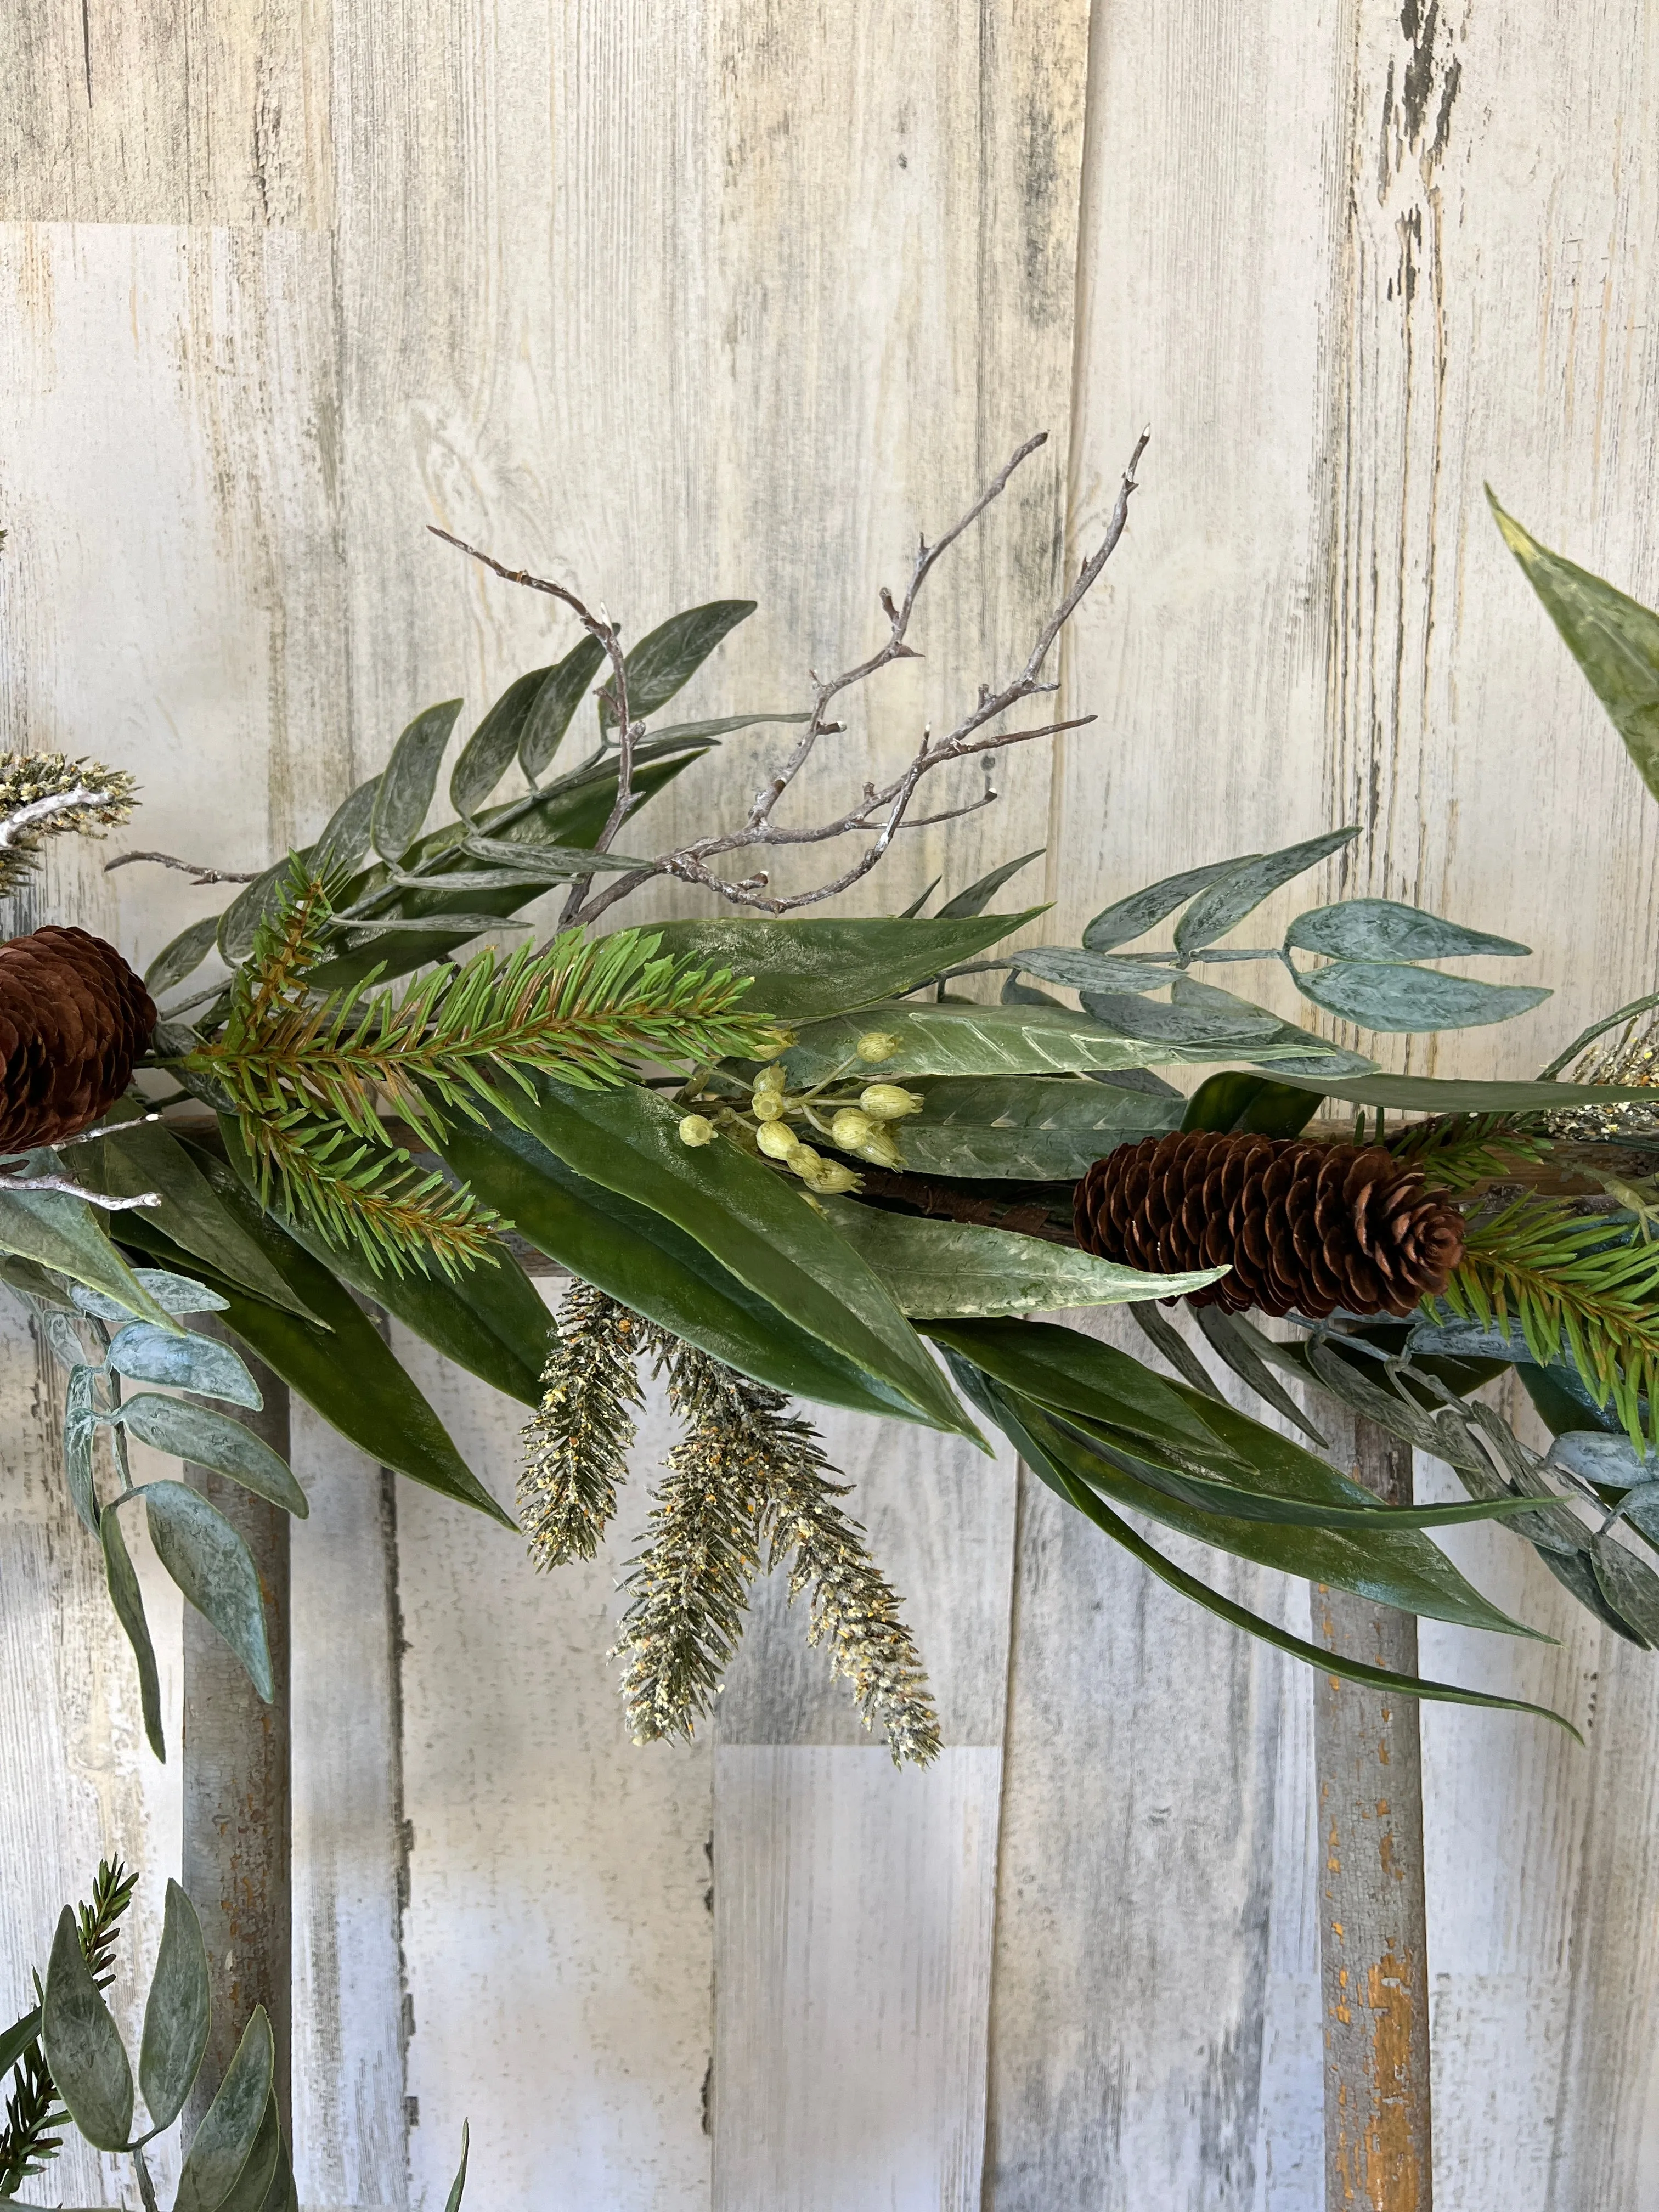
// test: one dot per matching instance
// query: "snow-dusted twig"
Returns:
(8, 1183)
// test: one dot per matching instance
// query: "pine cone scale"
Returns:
(1305, 1227)
(74, 1019)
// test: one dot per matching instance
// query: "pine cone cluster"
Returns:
(73, 1019)
(1305, 1227)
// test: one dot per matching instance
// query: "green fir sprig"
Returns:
(1459, 1151)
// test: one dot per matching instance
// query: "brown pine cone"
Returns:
(73, 1018)
(1305, 1227)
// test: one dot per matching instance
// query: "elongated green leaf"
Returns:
(175, 2012)
(82, 2046)
(1132, 917)
(1093, 971)
(1391, 995)
(759, 1227)
(226, 2139)
(214, 1440)
(669, 655)
(1234, 1345)
(1165, 1338)
(1236, 1101)
(174, 1294)
(557, 700)
(717, 726)
(1613, 637)
(343, 1368)
(1599, 1027)
(978, 895)
(491, 750)
(80, 1426)
(345, 834)
(181, 956)
(409, 778)
(1056, 1472)
(1428, 1094)
(62, 1234)
(17, 2038)
(951, 1039)
(936, 1269)
(129, 1602)
(1381, 929)
(453, 2201)
(148, 1155)
(213, 1567)
(239, 922)
(1629, 1587)
(1219, 1027)
(805, 971)
(1040, 1128)
(251, 2189)
(1608, 1460)
(281, 2195)
(1222, 904)
(653, 1267)
(186, 1362)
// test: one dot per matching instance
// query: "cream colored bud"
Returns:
(770, 1078)
(777, 1140)
(831, 1177)
(776, 1046)
(804, 1161)
(878, 1045)
(879, 1149)
(768, 1105)
(887, 1101)
(850, 1128)
(696, 1129)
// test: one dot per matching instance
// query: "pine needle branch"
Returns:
(577, 1443)
(1462, 1151)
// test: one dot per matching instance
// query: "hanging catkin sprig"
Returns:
(576, 1445)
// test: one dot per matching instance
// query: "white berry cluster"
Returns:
(862, 1126)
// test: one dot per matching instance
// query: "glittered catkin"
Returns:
(576, 1445)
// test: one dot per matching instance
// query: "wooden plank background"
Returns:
(677, 301)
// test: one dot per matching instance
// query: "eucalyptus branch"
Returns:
(883, 811)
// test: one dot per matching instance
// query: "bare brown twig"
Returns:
(198, 874)
(884, 810)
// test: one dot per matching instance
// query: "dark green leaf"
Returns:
(653, 1267)
(80, 1427)
(1165, 1337)
(1226, 901)
(344, 1369)
(684, 733)
(182, 956)
(344, 840)
(939, 1268)
(148, 1155)
(213, 1567)
(917, 904)
(557, 700)
(82, 2046)
(1057, 1474)
(807, 970)
(213, 1440)
(1613, 638)
(175, 2012)
(184, 1362)
(673, 653)
(759, 1227)
(17, 2038)
(1428, 1094)
(1094, 972)
(978, 895)
(62, 1234)
(128, 1600)
(453, 2201)
(1381, 929)
(1133, 916)
(1393, 996)
(1040, 1129)
(174, 1294)
(1597, 1028)
(1235, 1345)
(1237, 1101)
(409, 778)
(226, 2139)
(491, 750)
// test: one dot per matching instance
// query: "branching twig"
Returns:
(884, 811)
(198, 874)
(74, 1190)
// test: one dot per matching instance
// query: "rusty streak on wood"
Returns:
(1373, 1946)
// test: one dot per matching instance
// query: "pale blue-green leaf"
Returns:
(534, 862)
(978, 895)
(82, 2046)
(175, 2012)
(174, 1294)
(1226, 901)
(1235, 1344)
(212, 1566)
(1385, 996)
(62, 1234)
(1381, 929)
(80, 1427)
(1613, 638)
(1630, 1588)
(492, 747)
(952, 1040)
(1045, 1128)
(686, 733)
(239, 922)
(556, 702)
(1093, 971)
(950, 1270)
(185, 1362)
(1218, 1026)
(1467, 1340)
(409, 779)
(1132, 917)
(340, 849)
(250, 2191)
(128, 1600)
(213, 1440)
(181, 956)
(226, 2138)
(453, 2201)
(669, 655)
(807, 970)
(1600, 1457)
